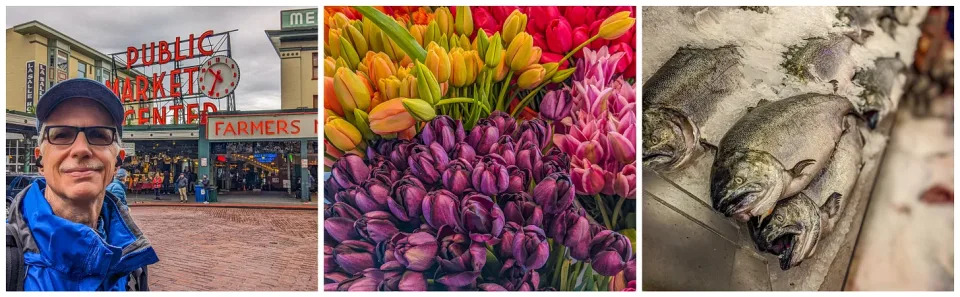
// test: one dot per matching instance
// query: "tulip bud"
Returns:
(536, 131)
(438, 61)
(556, 105)
(460, 259)
(528, 156)
(369, 280)
(340, 228)
(463, 67)
(389, 87)
(550, 68)
(390, 117)
(560, 36)
(494, 51)
(421, 110)
(515, 23)
(440, 208)
(426, 84)
(523, 212)
(348, 171)
(464, 20)
(464, 151)
(329, 66)
(519, 52)
(354, 256)
(483, 135)
(390, 48)
(573, 231)
(376, 226)
(610, 251)
(333, 42)
(481, 43)
(415, 251)
(616, 25)
(464, 43)
(555, 193)
(588, 177)
(531, 78)
(481, 218)
(510, 230)
(351, 91)
(505, 123)
(562, 75)
(456, 177)
(342, 134)
(419, 32)
(490, 176)
(372, 34)
(348, 53)
(408, 87)
(432, 34)
(356, 39)
(444, 20)
(624, 150)
(406, 198)
(443, 130)
(427, 165)
(625, 182)
(502, 67)
(378, 66)
(362, 122)
(530, 248)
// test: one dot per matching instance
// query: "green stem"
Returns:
(603, 211)
(578, 48)
(526, 100)
(563, 272)
(503, 89)
(455, 100)
(577, 268)
(616, 210)
(556, 267)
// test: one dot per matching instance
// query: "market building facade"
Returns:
(172, 113)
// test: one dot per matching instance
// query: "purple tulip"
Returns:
(340, 209)
(443, 130)
(556, 105)
(368, 281)
(504, 122)
(490, 176)
(491, 287)
(400, 154)
(481, 218)
(523, 212)
(528, 156)
(554, 161)
(535, 130)
(378, 187)
(484, 134)
(376, 226)
(362, 200)
(424, 165)
(406, 198)
(530, 247)
(340, 228)
(354, 256)
(514, 277)
(332, 280)
(610, 251)
(396, 278)
(440, 208)
(464, 151)
(384, 169)
(329, 264)
(573, 231)
(555, 193)
(415, 251)
(630, 272)
(456, 177)
(381, 148)
(505, 248)
(460, 259)
(519, 179)
(505, 148)
(348, 171)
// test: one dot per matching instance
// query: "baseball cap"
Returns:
(80, 88)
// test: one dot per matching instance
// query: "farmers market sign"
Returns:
(262, 126)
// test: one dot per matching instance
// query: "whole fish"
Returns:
(878, 85)
(819, 59)
(680, 97)
(797, 224)
(774, 151)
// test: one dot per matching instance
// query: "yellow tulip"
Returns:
(438, 61)
(408, 87)
(520, 51)
(515, 23)
(342, 134)
(329, 66)
(502, 67)
(418, 32)
(464, 67)
(444, 20)
(532, 77)
(351, 91)
(389, 87)
(379, 66)
(616, 25)
(464, 21)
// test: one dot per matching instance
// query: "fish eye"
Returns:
(738, 180)
(779, 218)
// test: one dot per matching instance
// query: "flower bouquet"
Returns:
(473, 148)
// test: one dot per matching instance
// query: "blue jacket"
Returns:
(60, 255)
(118, 189)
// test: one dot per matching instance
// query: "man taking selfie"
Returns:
(66, 232)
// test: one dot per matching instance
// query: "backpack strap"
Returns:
(15, 269)
(137, 280)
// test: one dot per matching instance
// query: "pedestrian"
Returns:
(182, 187)
(64, 232)
(157, 183)
(119, 186)
(205, 182)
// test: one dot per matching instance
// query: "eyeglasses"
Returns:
(66, 135)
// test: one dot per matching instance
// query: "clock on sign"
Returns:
(219, 77)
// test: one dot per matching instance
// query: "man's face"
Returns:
(78, 171)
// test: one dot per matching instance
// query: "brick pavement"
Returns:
(231, 249)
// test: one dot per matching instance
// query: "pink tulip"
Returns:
(588, 178)
(625, 182)
(623, 149)
(559, 36)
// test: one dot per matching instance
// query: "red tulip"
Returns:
(541, 16)
(500, 13)
(580, 15)
(626, 61)
(559, 36)
(482, 19)
(580, 35)
(548, 57)
(594, 29)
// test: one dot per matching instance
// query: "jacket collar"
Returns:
(75, 248)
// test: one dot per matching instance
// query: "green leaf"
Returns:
(397, 33)
(631, 220)
(632, 235)
(588, 279)
(455, 100)
(493, 264)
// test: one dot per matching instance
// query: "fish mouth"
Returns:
(784, 247)
(656, 158)
(738, 207)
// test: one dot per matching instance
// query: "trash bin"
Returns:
(211, 194)
(199, 193)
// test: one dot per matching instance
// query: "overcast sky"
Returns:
(112, 29)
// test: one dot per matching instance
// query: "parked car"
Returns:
(16, 183)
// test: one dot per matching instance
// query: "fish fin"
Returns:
(708, 146)
(797, 170)
(832, 206)
(759, 103)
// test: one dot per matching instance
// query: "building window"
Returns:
(103, 75)
(315, 101)
(81, 69)
(315, 67)
(62, 67)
